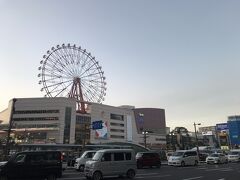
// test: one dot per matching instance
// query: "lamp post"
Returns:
(196, 136)
(145, 138)
(141, 121)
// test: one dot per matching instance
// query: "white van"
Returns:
(183, 157)
(234, 155)
(80, 162)
(111, 162)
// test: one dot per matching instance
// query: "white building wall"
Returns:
(28, 104)
(103, 112)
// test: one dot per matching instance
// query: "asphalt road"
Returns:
(229, 171)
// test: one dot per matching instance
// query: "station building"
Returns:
(55, 120)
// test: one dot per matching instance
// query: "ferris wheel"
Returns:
(70, 71)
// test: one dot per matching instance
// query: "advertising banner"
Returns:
(102, 133)
(222, 127)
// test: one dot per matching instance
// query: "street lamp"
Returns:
(141, 121)
(145, 138)
(198, 124)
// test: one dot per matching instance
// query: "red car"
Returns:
(148, 159)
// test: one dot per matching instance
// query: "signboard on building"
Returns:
(207, 133)
(222, 127)
(102, 133)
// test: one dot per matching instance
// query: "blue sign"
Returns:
(222, 127)
(97, 125)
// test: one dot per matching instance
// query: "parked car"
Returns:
(169, 154)
(234, 156)
(203, 156)
(33, 164)
(111, 162)
(148, 159)
(216, 158)
(183, 157)
(80, 162)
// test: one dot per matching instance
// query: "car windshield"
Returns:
(234, 153)
(97, 156)
(214, 155)
(83, 154)
(178, 153)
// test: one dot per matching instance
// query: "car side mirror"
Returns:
(185, 155)
(102, 159)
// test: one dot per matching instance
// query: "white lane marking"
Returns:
(221, 179)
(73, 178)
(146, 174)
(220, 169)
(202, 168)
(199, 177)
(160, 176)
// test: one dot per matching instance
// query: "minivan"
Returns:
(80, 162)
(33, 164)
(184, 157)
(111, 162)
(234, 155)
(148, 159)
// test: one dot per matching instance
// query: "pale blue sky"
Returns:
(182, 56)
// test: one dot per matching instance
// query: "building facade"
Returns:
(234, 130)
(55, 120)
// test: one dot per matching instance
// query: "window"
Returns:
(117, 117)
(160, 139)
(117, 124)
(117, 130)
(90, 155)
(66, 136)
(53, 157)
(36, 119)
(20, 158)
(128, 156)
(118, 156)
(35, 158)
(191, 153)
(116, 137)
(107, 157)
(36, 111)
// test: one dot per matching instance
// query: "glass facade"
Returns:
(82, 130)
(68, 114)
(234, 130)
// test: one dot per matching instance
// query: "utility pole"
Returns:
(196, 136)
(7, 148)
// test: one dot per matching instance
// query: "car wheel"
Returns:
(51, 177)
(182, 163)
(131, 174)
(97, 175)
(226, 161)
(81, 168)
(159, 165)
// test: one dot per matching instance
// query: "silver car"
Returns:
(111, 162)
(216, 158)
